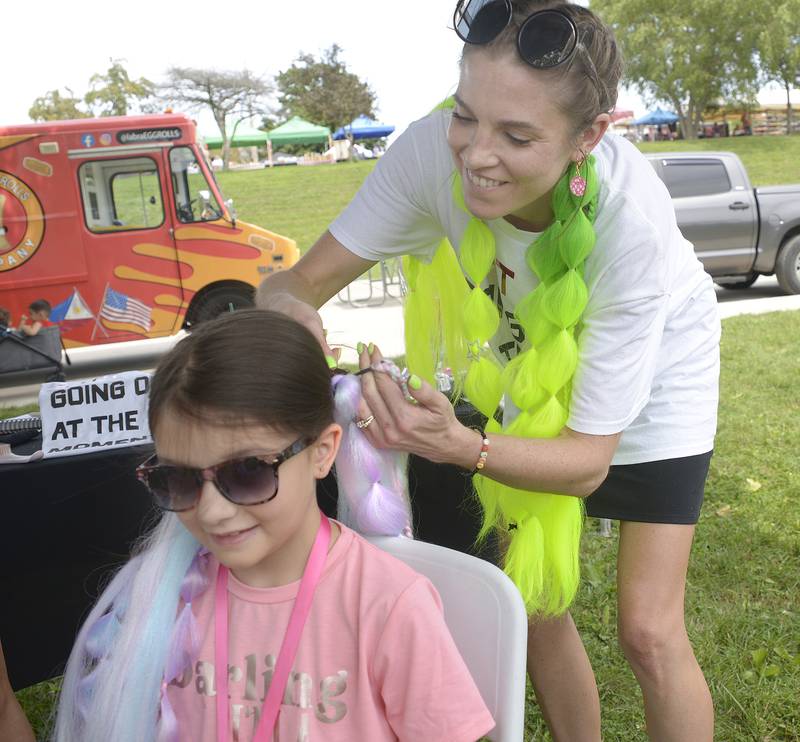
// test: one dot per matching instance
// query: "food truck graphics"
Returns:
(119, 224)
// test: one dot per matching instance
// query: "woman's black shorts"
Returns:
(668, 491)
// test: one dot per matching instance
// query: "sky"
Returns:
(405, 50)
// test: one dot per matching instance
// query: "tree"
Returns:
(323, 91)
(52, 106)
(779, 49)
(690, 55)
(113, 93)
(228, 94)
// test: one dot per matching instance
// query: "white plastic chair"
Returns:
(486, 616)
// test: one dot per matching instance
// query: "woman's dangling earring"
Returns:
(577, 185)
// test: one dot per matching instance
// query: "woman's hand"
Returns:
(323, 271)
(428, 428)
(307, 316)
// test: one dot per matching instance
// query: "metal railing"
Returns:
(384, 279)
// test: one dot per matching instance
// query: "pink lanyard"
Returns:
(297, 619)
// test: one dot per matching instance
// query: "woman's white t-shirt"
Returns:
(649, 338)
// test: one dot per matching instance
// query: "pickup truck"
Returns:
(739, 232)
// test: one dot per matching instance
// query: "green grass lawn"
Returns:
(770, 160)
(744, 581)
(743, 595)
(296, 201)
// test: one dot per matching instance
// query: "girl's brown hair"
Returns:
(589, 82)
(252, 366)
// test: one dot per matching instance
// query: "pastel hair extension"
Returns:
(97, 637)
(543, 529)
(128, 660)
(373, 490)
(184, 644)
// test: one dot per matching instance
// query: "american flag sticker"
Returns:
(118, 307)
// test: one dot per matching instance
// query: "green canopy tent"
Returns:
(245, 136)
(296, 131)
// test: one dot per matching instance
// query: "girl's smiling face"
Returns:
(263, 545)
(509, 140)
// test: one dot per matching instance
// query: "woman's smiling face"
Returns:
(509, 141)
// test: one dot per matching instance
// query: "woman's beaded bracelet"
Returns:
(481, 462)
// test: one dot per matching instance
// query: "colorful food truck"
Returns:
(119, 224)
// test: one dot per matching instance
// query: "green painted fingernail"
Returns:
(414, 381)
(371, 347)
(360, 348)
(331, 361)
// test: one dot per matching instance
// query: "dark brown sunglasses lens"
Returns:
(249, 480)
(547, 39)
(480, 21)
(173, 488)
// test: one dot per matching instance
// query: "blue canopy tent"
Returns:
(363, 127)
(656, 117)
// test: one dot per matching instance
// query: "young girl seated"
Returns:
(203, 635)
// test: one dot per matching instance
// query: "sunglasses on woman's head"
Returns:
(547, 38)
(251, 480)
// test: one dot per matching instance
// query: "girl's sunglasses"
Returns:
(547, 38)
(251, 480)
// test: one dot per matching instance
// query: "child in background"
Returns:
(5, 319)
(242, 413)
(39, 318)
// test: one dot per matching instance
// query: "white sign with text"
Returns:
(95, 414)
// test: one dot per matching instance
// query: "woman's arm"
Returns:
(571, 464)
(300, 291)
(393, 213)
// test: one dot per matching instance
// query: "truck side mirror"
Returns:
(229, 206)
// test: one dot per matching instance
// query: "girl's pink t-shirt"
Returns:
(375, 662)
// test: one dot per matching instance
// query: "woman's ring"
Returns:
(365, 423)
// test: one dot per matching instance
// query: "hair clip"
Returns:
(400, 377)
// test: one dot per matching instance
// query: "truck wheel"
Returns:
(787, 266)
(218, 301)
(745, 283)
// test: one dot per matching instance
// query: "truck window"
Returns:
(194, 199)
(120, 195)
(701, 177)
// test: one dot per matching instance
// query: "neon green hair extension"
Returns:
(433, 330)
(543, 529)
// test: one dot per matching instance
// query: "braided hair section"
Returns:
(373, 487)
(543, 530)
(114, 681)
